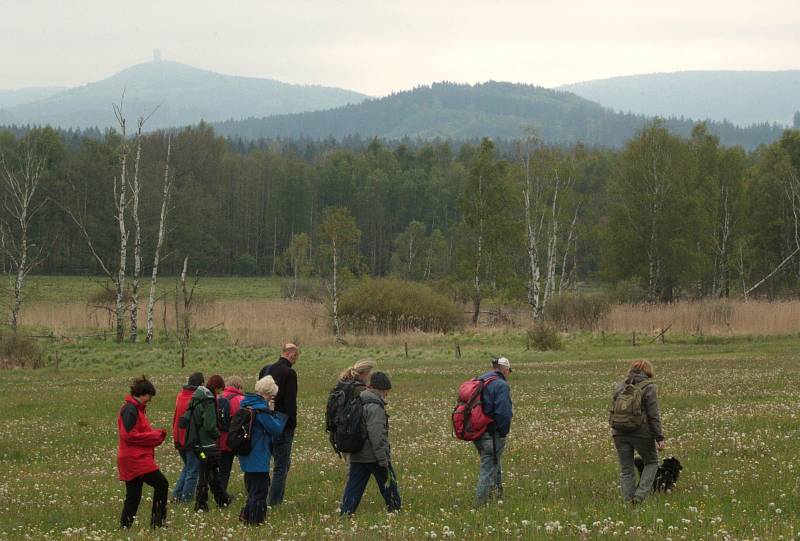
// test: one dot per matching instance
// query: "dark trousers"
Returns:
(225, 467)
(255, 508)
(358, 475)
(209, 478)
(133, 495)
(282, 456)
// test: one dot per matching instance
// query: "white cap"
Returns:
(502, 361)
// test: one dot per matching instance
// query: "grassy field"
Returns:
(730, 413)
(66, 289)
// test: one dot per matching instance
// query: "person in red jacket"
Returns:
(229, 403)
(136, 455)
(187, 480)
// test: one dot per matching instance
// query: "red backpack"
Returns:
(469, 421)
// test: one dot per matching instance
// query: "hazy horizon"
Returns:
(377, 49)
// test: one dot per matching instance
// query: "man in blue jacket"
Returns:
(496, 403)
(268, 424)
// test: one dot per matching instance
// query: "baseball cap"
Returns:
(502, 361)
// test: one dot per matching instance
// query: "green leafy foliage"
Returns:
(390, 306)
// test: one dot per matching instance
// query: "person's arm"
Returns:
(502, 409)
(272, 421)
(131, 435)
(224, 414)
(376, 432)
(650, 397)
(289, 386)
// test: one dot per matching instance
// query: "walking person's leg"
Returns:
(222, 498)
(500, 445)
(387, 484)
(486, 476)
(225, 467)
(133, 495)
(158, 513)
(258, 488)
(177, 490)
(357, 476)
(201, 498)
(647, 450)
(282, 456)
(192, 476)
(627, 476)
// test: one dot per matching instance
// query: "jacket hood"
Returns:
(255, 401)
(636, 376)
(371, 397)
(131, 400)
(190, 388)
(200, 394)
(233, 390)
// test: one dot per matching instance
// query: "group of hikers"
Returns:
(215, 421)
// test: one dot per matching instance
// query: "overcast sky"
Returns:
(376, 46)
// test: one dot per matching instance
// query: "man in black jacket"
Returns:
(286, 402)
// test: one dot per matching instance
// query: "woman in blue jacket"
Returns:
(267, 424)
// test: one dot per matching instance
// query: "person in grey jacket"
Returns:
(375, 458)
(646, 440)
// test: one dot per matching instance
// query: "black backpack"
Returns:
(344, 419)
(188, 422)
(240, 434)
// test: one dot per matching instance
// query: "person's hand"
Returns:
(271, 405)
(661, 445)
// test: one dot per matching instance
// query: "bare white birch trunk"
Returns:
(476, 303)
(137, 239)
(123, 232)
(570, 238)
(21, 207)
(552, 245)
(336, 329)
(165, 197)
(534, 274)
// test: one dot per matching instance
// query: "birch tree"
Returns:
(22, 201)
(339, 240)
(547, 179)
(162, 231)
(297, 256)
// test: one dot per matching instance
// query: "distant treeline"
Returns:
(665, 217)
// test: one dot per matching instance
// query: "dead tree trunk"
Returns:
(337, 331)
(183, 320)
(137, 239)
(121, 202)
(165, 197)
(477, 297)
(21, 206)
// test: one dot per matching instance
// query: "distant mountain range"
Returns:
(605, 113)
(11, 98)
(742, 97)
(184, 95)
(493, 109)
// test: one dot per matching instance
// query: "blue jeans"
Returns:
(358, 475)
(187, 481)
(490, 478)
(282, 457)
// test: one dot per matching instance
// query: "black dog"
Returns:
(667, 474)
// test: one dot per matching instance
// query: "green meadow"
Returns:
(729, 406)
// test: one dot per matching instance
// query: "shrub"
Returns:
(18, 350)
(390, 306)
(545, 337)
(577, 311)
(307, 290)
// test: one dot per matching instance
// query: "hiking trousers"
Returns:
(490, 478)
(255, 508)
(358, 474)
(209, 478)
(133, 496)
(646, 447)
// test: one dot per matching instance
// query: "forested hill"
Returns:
(185, 95)
(742, 97)
(492, 109)
(10, 98)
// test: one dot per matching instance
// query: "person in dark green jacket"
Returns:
(205, 416)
